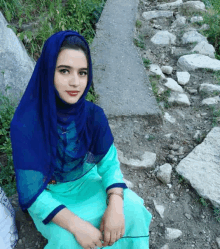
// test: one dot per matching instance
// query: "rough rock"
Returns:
(147, 162)
(191, 7)
(164, 173)
(169, 118)
(197, 61)
(165, 247)
(209, 88)
(183, 78)
(179, 98)
(205, 48)
(172, 233)
(128, 183)
(218, 242)
(211, 101)
(159, 208)
(193, 36)
(167, 69)
(155, 69)
(197, 135)
(163, 38)
(196, 19)
(180, 21)
(170, 6)
(16, 65)
(201, 167)
(173, 85)
(205, 27)
(156, 14)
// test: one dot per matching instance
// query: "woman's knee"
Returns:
(60, 238)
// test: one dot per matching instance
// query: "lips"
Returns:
(72, 91)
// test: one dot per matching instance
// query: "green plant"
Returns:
(138, 23)
(212, 18)
(215, 116)
(146, 62)
(217, 213)
(159, 96)
(203, 202)
(139, 42)
(7, 174)
(151, 137)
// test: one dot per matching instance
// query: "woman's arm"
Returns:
(109, 169)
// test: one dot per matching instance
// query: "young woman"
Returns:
(65, 160)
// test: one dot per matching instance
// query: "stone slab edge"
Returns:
(119, 75)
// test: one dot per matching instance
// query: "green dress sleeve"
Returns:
(109, 169)
(45, 207)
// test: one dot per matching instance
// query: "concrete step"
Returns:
(119, 75)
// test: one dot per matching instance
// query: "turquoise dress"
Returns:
(86, 197)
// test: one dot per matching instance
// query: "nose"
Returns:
(74, 80)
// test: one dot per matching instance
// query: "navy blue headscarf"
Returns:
(33, 128)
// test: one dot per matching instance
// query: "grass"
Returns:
(146, 62)
(138, 24)
(212, 18)
(162, 97)
(139, 42)
(51, 17)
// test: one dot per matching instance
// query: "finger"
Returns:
(98, 243)
(101, 226)
(118, 236)
(106, 238)
(123, 231)
(113, 238)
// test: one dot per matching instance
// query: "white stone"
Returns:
(205, 27)
(160, 90)
(201, 167)
(196, 19)
(128, 183)
(170, 6)
(183, 78)
(193, 36)
(14, 62)
(155, 69)
(167, 69)
(169, 118)
(205, 48)
(156, 14)
(172, 233)
(209, 88)
(211, 101)
(164, 173)
(197, 61)
(163, 38)
(173, 85)
(179, 98)
(193, 7)
(148, 160)
(165, 247)
(180, 21)
(159, 208)
(197, 135)
(218, 242)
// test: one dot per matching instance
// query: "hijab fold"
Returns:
(33, 128)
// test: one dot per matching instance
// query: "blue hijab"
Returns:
(33, 128)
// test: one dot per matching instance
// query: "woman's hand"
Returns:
(86, 234)
(113, 223)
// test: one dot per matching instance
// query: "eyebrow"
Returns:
(71, 67)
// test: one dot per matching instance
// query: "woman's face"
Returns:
(71, 74)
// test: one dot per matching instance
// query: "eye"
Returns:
(83, 73)
(63, 71)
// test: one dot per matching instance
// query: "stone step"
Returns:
(119, 75)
